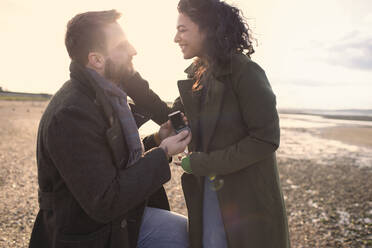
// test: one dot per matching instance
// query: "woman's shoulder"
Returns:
(248, 76)
(242, 63)
(245, 70)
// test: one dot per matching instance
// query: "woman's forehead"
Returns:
(184, 21)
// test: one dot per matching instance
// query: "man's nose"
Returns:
(132, 50)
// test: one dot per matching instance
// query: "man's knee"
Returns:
(162, 228)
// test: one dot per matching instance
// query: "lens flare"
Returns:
(216, 183)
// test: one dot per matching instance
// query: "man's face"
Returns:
(118, 60)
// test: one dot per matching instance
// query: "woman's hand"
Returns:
(179, 157)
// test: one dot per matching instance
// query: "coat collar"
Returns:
(81, 78)
(89, 86)
(219, 71)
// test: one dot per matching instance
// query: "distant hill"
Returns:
(22, 96)
(343, 114)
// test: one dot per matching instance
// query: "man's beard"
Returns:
(116, 73)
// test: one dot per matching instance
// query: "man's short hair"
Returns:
(85, 33)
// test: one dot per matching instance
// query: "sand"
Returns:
(359, 136)
(325, 173)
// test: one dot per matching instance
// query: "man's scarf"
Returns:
(118, 100)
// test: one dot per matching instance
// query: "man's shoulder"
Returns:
(69, 98)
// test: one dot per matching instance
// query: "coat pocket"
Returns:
(97, 239)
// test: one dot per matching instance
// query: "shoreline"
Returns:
(335, 116)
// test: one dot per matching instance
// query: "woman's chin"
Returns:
(187, 56)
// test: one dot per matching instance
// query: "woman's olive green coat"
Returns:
(239, 132)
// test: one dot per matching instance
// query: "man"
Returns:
(97, 187)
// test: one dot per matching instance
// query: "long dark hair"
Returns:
(226, 31)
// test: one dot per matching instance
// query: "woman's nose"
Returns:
(176, 38)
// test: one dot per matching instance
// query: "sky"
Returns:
(317, 54)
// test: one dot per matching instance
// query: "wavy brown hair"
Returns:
(226, 31)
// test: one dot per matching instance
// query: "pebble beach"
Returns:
(325, 170)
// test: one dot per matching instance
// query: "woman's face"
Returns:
(189, 37)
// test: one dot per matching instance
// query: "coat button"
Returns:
(123, 223)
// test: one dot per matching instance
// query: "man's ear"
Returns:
(96, 61)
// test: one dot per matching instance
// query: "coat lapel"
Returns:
(211, 111)
(191, 103)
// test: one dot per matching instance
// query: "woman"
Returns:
(231, 186)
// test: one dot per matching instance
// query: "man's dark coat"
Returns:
(88, 198)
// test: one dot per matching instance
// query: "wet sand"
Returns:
(359, 136)
(325, 171)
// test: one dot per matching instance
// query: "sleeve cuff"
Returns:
(186, 166)
(157, 138)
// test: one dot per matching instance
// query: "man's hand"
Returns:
(166, 130)
(177, 143)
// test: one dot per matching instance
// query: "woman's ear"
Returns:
(96, 61)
